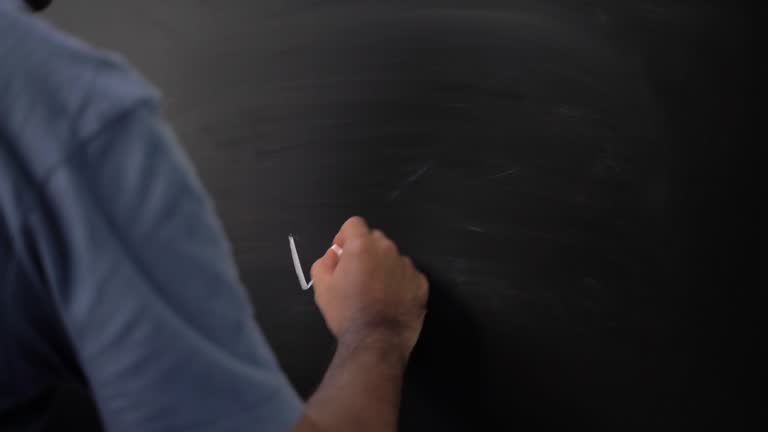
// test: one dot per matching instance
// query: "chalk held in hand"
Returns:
(297, 263)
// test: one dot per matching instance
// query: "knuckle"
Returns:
(389, 246)
(424, 283)
(353, 246)
(315, 266)
(383, 241)
(424, 299)
(315, 271)
(356, 245)
(357, 220)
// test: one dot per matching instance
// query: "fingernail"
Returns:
(337, 249)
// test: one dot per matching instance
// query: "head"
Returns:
(38, 5)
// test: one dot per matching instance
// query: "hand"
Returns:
(371, 290)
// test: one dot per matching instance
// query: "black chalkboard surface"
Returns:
(547, 163)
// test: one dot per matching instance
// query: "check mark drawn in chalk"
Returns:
(297, 262)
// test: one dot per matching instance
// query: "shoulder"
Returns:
(56, 91)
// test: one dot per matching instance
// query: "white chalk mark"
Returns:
(297, 264)
(419, 173)
(505, 173)
(410, 180)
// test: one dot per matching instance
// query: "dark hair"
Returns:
(38, 5)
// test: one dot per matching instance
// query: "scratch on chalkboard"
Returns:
(569, 111)
(514, 170)
(415, 176)
(474, 228)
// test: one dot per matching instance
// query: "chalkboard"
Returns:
(539, 160)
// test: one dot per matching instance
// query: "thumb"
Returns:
(323, 268)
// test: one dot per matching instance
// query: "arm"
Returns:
(373, 301)
(345, 400)
(148, 292)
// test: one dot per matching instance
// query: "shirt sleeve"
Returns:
(146, 286)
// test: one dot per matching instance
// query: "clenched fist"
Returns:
(370, 289)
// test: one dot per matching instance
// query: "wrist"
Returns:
(381, 341)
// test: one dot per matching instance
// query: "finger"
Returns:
(423, 279)
(384, 242)
(353, 227)
(323, 268)
(423, 287)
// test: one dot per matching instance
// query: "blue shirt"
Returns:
(114, 271)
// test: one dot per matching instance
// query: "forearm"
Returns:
(361, 390)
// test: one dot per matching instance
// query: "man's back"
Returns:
(41, 86)
(115, 277)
